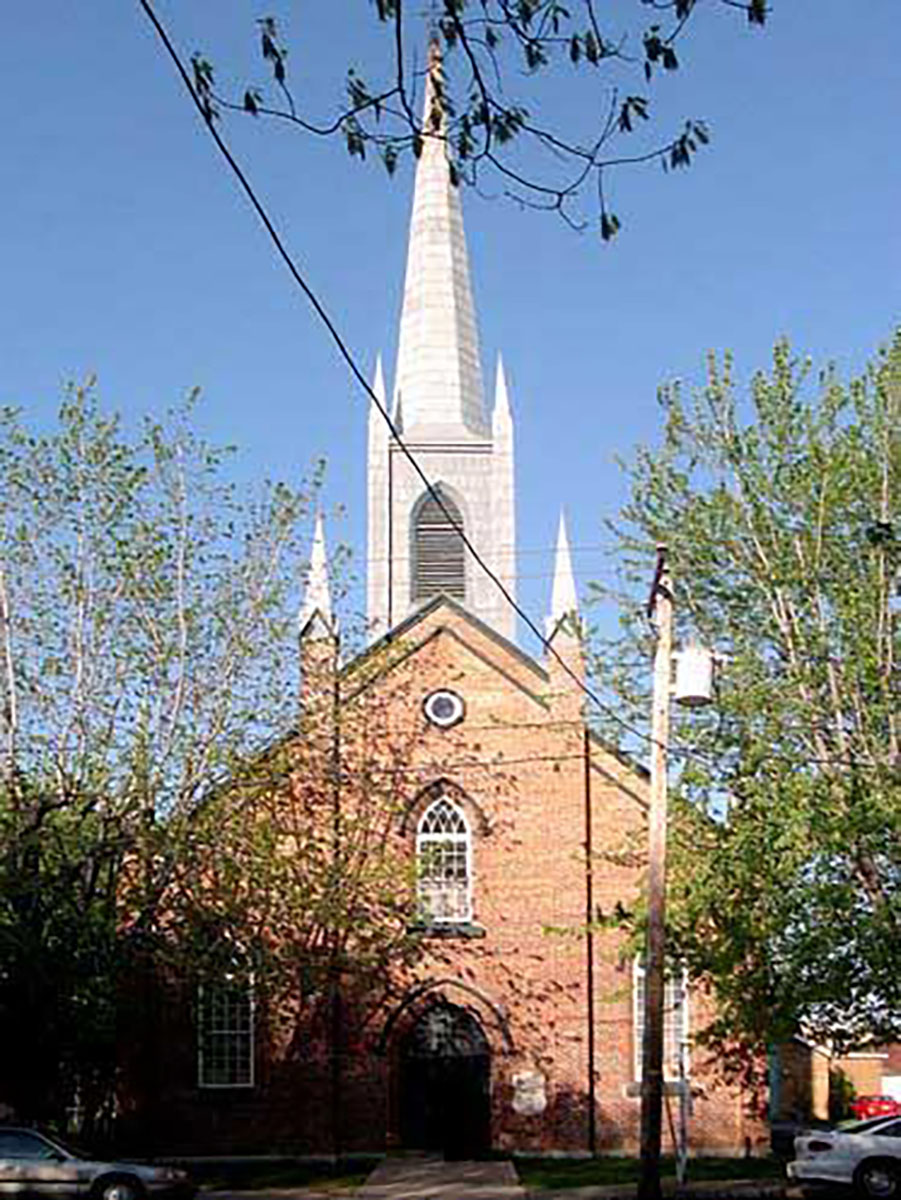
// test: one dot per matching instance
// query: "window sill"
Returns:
(463, 930)
(226, 1087)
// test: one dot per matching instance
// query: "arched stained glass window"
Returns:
(438, 553)
(443, 860)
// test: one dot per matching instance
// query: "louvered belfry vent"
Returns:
(439, 563)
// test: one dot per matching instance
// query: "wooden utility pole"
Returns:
(660, 609)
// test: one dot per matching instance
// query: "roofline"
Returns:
(620, 755)
(432, 605)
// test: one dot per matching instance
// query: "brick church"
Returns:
(518, 1027)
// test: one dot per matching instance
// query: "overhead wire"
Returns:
(347, 356)
(355, 370)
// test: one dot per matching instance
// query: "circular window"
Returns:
(443, 708)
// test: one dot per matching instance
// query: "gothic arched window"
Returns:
(443, 863)
(438, 553)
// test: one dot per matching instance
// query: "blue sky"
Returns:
(128, 251)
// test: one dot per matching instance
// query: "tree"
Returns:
(143, 633)
(612, 65)
(149, 680)
(783, 517)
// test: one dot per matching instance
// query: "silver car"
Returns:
(32, 1164)
(865, 1154)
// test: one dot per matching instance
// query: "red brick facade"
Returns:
(532, 785)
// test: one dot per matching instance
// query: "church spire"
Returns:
(316, 619)
(439, 371)
(377, 424)
(564, 602)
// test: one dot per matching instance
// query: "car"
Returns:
(864, 1107)
(863, 1154)
(34, 1164)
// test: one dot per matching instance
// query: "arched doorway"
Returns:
(444, 1084)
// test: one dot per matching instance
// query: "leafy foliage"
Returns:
(489, 48)
(155, 811)
(143, 633)
(782, 516)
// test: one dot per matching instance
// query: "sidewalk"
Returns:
(435, 1179)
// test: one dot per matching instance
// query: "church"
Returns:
(518, 1028)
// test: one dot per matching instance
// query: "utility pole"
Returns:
(660, 610)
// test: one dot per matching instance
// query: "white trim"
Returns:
(251, 1034)
(671, 1059)
(459, 708)
(425, 839)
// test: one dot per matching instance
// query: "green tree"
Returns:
(782, 512)
(148, 655)
(145, 647)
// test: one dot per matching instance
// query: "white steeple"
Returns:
(439, 414)
(376, 486)
(503, 514)
(377, 422)
(316, 617)
(500, 417)
(439, 374)
(564, 602)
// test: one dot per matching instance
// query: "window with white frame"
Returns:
(675, 1020)
(225, 1033)
(444, 864)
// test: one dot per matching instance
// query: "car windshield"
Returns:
(68, 1148)
(863, 1126)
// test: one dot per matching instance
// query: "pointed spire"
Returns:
(378, 426)
(378, 387)
(564, 602)
(316, 609)
(501, 416)
(438, 363)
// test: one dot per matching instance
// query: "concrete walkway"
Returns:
(427, 1178)
(434, 1179)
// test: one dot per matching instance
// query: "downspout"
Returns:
(589, 946)
(335, 1030)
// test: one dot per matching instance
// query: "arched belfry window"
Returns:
(438, 553)
(443, 863)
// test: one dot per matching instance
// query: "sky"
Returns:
(129, 254)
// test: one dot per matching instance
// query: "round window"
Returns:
(443, 708)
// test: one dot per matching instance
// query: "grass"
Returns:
(343, 1176)
(552, 1173)
(535, 1173)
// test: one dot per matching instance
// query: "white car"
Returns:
(862, 1154)
(32, 1164)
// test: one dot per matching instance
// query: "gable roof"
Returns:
(419, 615)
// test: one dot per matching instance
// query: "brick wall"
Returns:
(517, 764)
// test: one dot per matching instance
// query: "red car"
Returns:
(864, 1107)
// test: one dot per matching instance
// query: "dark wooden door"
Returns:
(445, 1076)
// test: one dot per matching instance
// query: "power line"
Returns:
(345, 353)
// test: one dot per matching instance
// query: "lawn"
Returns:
(344, 1176)
(552, 1173)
